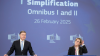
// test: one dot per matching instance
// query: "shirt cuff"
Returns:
(83, 44)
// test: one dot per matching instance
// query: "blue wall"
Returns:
(53, 34)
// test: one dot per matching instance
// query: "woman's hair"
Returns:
(80, 40)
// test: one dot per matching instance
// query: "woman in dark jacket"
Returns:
(77, 49)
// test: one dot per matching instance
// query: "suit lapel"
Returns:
(73, 50)
(19, 44)
(80, 50)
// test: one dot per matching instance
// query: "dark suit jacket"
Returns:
(82, 50)
(16, 46)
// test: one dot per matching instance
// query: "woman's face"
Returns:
(77, 42)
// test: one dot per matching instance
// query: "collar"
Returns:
(21, 40)
(75, 48)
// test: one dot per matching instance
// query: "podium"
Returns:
(79, 55)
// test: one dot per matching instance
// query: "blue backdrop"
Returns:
(51, 29)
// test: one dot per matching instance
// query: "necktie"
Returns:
(21, 45)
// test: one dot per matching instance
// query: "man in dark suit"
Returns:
(21, 46)
(77, 49)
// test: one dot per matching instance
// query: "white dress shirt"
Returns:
(22, 43)
(77, 49)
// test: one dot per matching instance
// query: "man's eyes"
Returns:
(24, 35)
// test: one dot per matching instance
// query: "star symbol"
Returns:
(97, 2)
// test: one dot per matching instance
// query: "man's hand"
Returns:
(5, 55)
(35, 55)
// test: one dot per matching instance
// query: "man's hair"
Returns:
(79, 39)
(22, 32)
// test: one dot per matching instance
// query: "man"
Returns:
(77, 49)
(21, 46)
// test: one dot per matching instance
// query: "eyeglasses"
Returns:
(77, 41)
(23, 35)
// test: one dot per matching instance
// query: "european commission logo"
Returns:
(73, 37)
(13, 37)
(53, 37)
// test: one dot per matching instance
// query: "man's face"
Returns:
(77, 42)
(23, 36)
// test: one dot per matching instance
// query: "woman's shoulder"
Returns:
(71, 47)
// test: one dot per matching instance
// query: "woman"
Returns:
(77, 49)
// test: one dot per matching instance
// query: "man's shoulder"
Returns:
(16, 41)
(27, 41)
